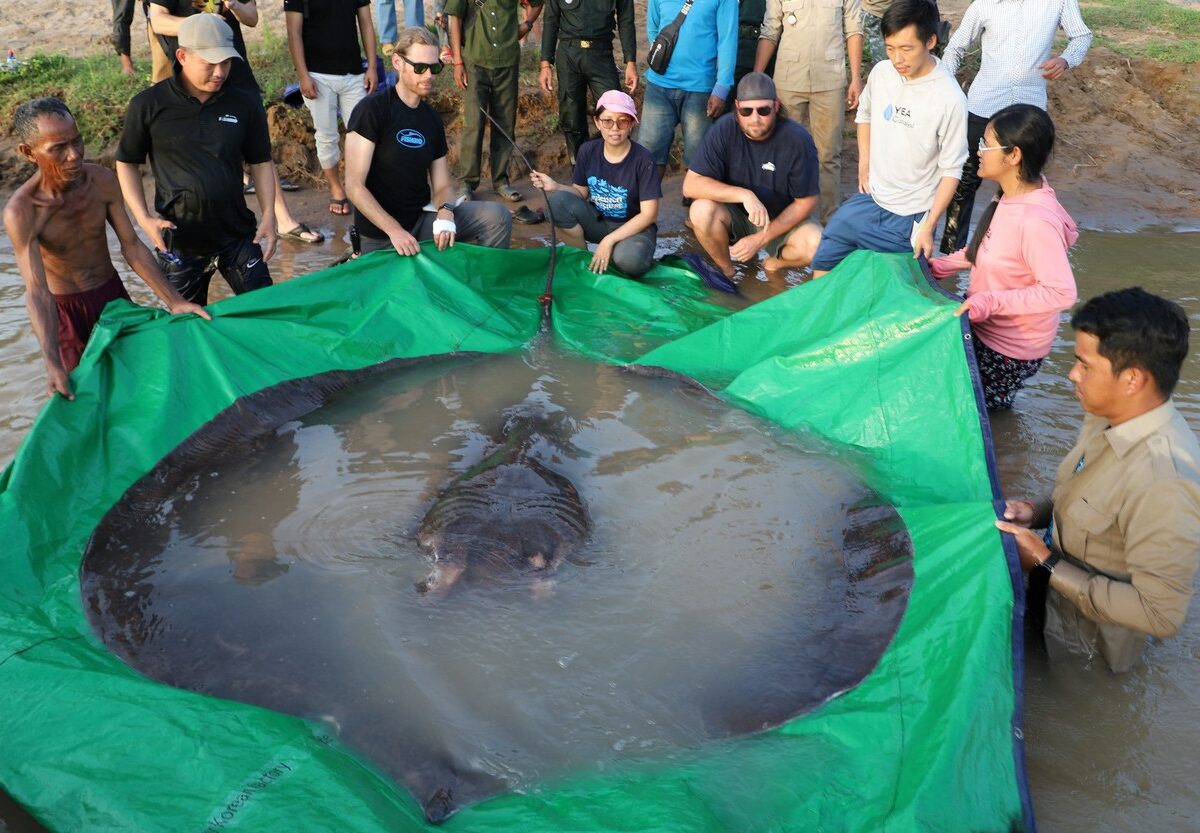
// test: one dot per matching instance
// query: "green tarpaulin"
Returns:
(871, 357)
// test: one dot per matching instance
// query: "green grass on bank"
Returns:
(96, 91)
(1165, 31)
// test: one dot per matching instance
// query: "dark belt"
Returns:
(587, 43)
(748, 30)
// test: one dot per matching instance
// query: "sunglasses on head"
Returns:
(420, 68)
(762, 110)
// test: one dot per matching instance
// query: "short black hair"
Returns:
(25, 119)
(1138, 329)
(904, 13)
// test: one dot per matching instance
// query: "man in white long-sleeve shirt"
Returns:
(912, 133)
(1017, 37)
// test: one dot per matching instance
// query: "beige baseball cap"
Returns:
(208, 36)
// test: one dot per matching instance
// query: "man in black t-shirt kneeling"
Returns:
(396, 159)
(754, 183)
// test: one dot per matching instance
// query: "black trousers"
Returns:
(122, 19)
(580, 69)
(240, 263)
(958, 214)
(495, 90)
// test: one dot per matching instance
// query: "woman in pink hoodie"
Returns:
(1020, 276)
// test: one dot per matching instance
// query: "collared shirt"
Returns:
(1128, 524)
(811, 35)
(489, 31)
(1017, 37)
(196, 152)
(589, 20)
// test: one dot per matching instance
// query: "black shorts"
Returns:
(241, 264)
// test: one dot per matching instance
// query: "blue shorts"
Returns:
(861, 223)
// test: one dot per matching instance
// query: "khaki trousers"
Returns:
(824, 114)
(160, 64)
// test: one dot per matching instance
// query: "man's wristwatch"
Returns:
(1049, 561)
(446, 207)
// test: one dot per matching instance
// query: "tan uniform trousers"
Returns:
(160, 64)
(824, 115)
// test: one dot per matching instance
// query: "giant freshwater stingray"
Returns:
(276, 656)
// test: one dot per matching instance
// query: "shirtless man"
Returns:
(56, 221)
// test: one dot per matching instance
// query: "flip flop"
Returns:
(508, 192)
(527, 216)
(248, 188)
(711, 275)
(298, 234)
(286, 184)
(343, 207)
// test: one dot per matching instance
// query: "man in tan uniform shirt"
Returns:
(1125, 538)
(813, 38)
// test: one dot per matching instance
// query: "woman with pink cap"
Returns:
(612, 200)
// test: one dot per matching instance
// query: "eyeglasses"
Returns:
(618, 124)
(982, 148)
(762, 110)
(420, 68)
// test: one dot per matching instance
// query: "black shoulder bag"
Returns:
(664, 43)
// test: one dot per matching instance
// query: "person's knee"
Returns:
(489, 224)
(802, 244)
(634, 257)
(708, 216)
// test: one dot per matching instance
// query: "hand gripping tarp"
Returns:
(871, 356)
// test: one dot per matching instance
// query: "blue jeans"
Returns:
(662, 109)
(385, 17)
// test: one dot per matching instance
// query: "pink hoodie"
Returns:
(1021, 279)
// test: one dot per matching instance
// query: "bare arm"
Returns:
(294, 23)
(441, 186)
(796, 213)
(164, 23)
(21, 225)
(945, 192)
(366, 30)
(455, 35)
(698, 187)
(246, 13)
(264, 190)
(864, 157)
(764, 54)
(138, 256)
(130, 177)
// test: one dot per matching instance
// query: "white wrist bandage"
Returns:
(440, 226)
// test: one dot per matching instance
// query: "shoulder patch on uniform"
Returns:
(1162, 462)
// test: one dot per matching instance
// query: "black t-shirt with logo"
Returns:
(407, 141)
(330, 34)
(779, 170)
(196, 152)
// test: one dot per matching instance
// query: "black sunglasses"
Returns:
(421, 69)
(763, 110)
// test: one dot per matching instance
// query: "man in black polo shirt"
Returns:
(754, 184)
(577, 40)
(396, 158)
(198, 131)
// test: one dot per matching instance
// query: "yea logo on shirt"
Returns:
(411, 138)
(898, 115)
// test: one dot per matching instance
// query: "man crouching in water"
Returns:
(56, 221)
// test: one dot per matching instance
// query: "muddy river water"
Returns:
(1105, 752)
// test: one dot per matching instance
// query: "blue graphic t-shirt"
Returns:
(617, 190)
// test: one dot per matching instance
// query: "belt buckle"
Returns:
(585, 44)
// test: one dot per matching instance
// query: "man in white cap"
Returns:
(198, 132)
(612, 200)
(754, 182)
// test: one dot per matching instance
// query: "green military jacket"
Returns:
(489, 31)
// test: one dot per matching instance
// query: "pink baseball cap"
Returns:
(617, 102)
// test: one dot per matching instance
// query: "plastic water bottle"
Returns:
(11, 64)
